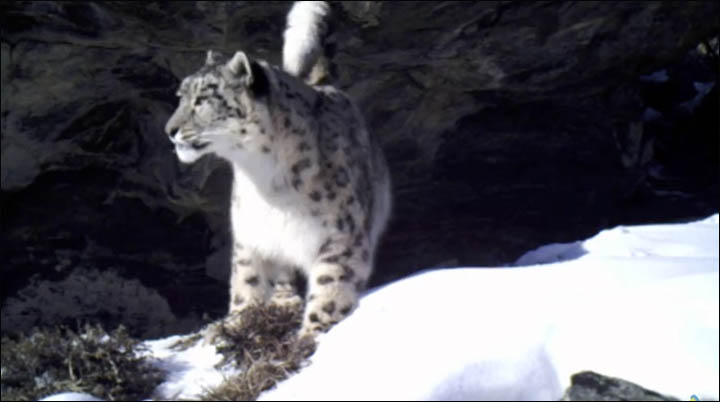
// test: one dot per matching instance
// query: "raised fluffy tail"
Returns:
(307, 25)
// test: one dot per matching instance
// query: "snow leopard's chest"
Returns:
(281, 229)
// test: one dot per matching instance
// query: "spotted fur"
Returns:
(311, 189)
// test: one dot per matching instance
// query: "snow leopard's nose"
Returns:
(172, 127)
(172, 132)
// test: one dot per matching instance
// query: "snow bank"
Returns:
(639, 303)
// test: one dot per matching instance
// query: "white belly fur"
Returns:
(280, 230)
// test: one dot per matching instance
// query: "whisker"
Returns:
(213, 134)
(204, 136)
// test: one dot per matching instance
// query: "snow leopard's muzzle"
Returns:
(187, 146)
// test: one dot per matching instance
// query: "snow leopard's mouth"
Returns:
(189, 152)
(198, 146)
(187, 146)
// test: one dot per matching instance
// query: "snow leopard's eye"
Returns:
(200, 99)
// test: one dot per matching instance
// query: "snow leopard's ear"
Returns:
(212, 58)
(239, 66)
(250, 72)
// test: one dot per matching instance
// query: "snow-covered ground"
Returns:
(639, 303)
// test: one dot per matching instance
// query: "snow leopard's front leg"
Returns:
(334, 283)
(249, 283)
(249, 286)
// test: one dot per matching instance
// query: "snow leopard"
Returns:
(311, 192)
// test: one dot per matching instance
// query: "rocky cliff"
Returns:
(506, 125)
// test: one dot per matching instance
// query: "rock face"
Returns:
(506, 125)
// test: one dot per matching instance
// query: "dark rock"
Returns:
(507, 125)
(589, 386)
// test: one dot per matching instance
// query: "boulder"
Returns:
(590, 386)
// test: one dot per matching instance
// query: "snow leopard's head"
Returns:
(218, 111)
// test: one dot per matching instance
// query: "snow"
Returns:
(640, 303)
(635, 302)
(190, 372)
(71, 396)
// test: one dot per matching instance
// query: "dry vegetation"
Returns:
(263, 345)
(89, 360)
(266, 349)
